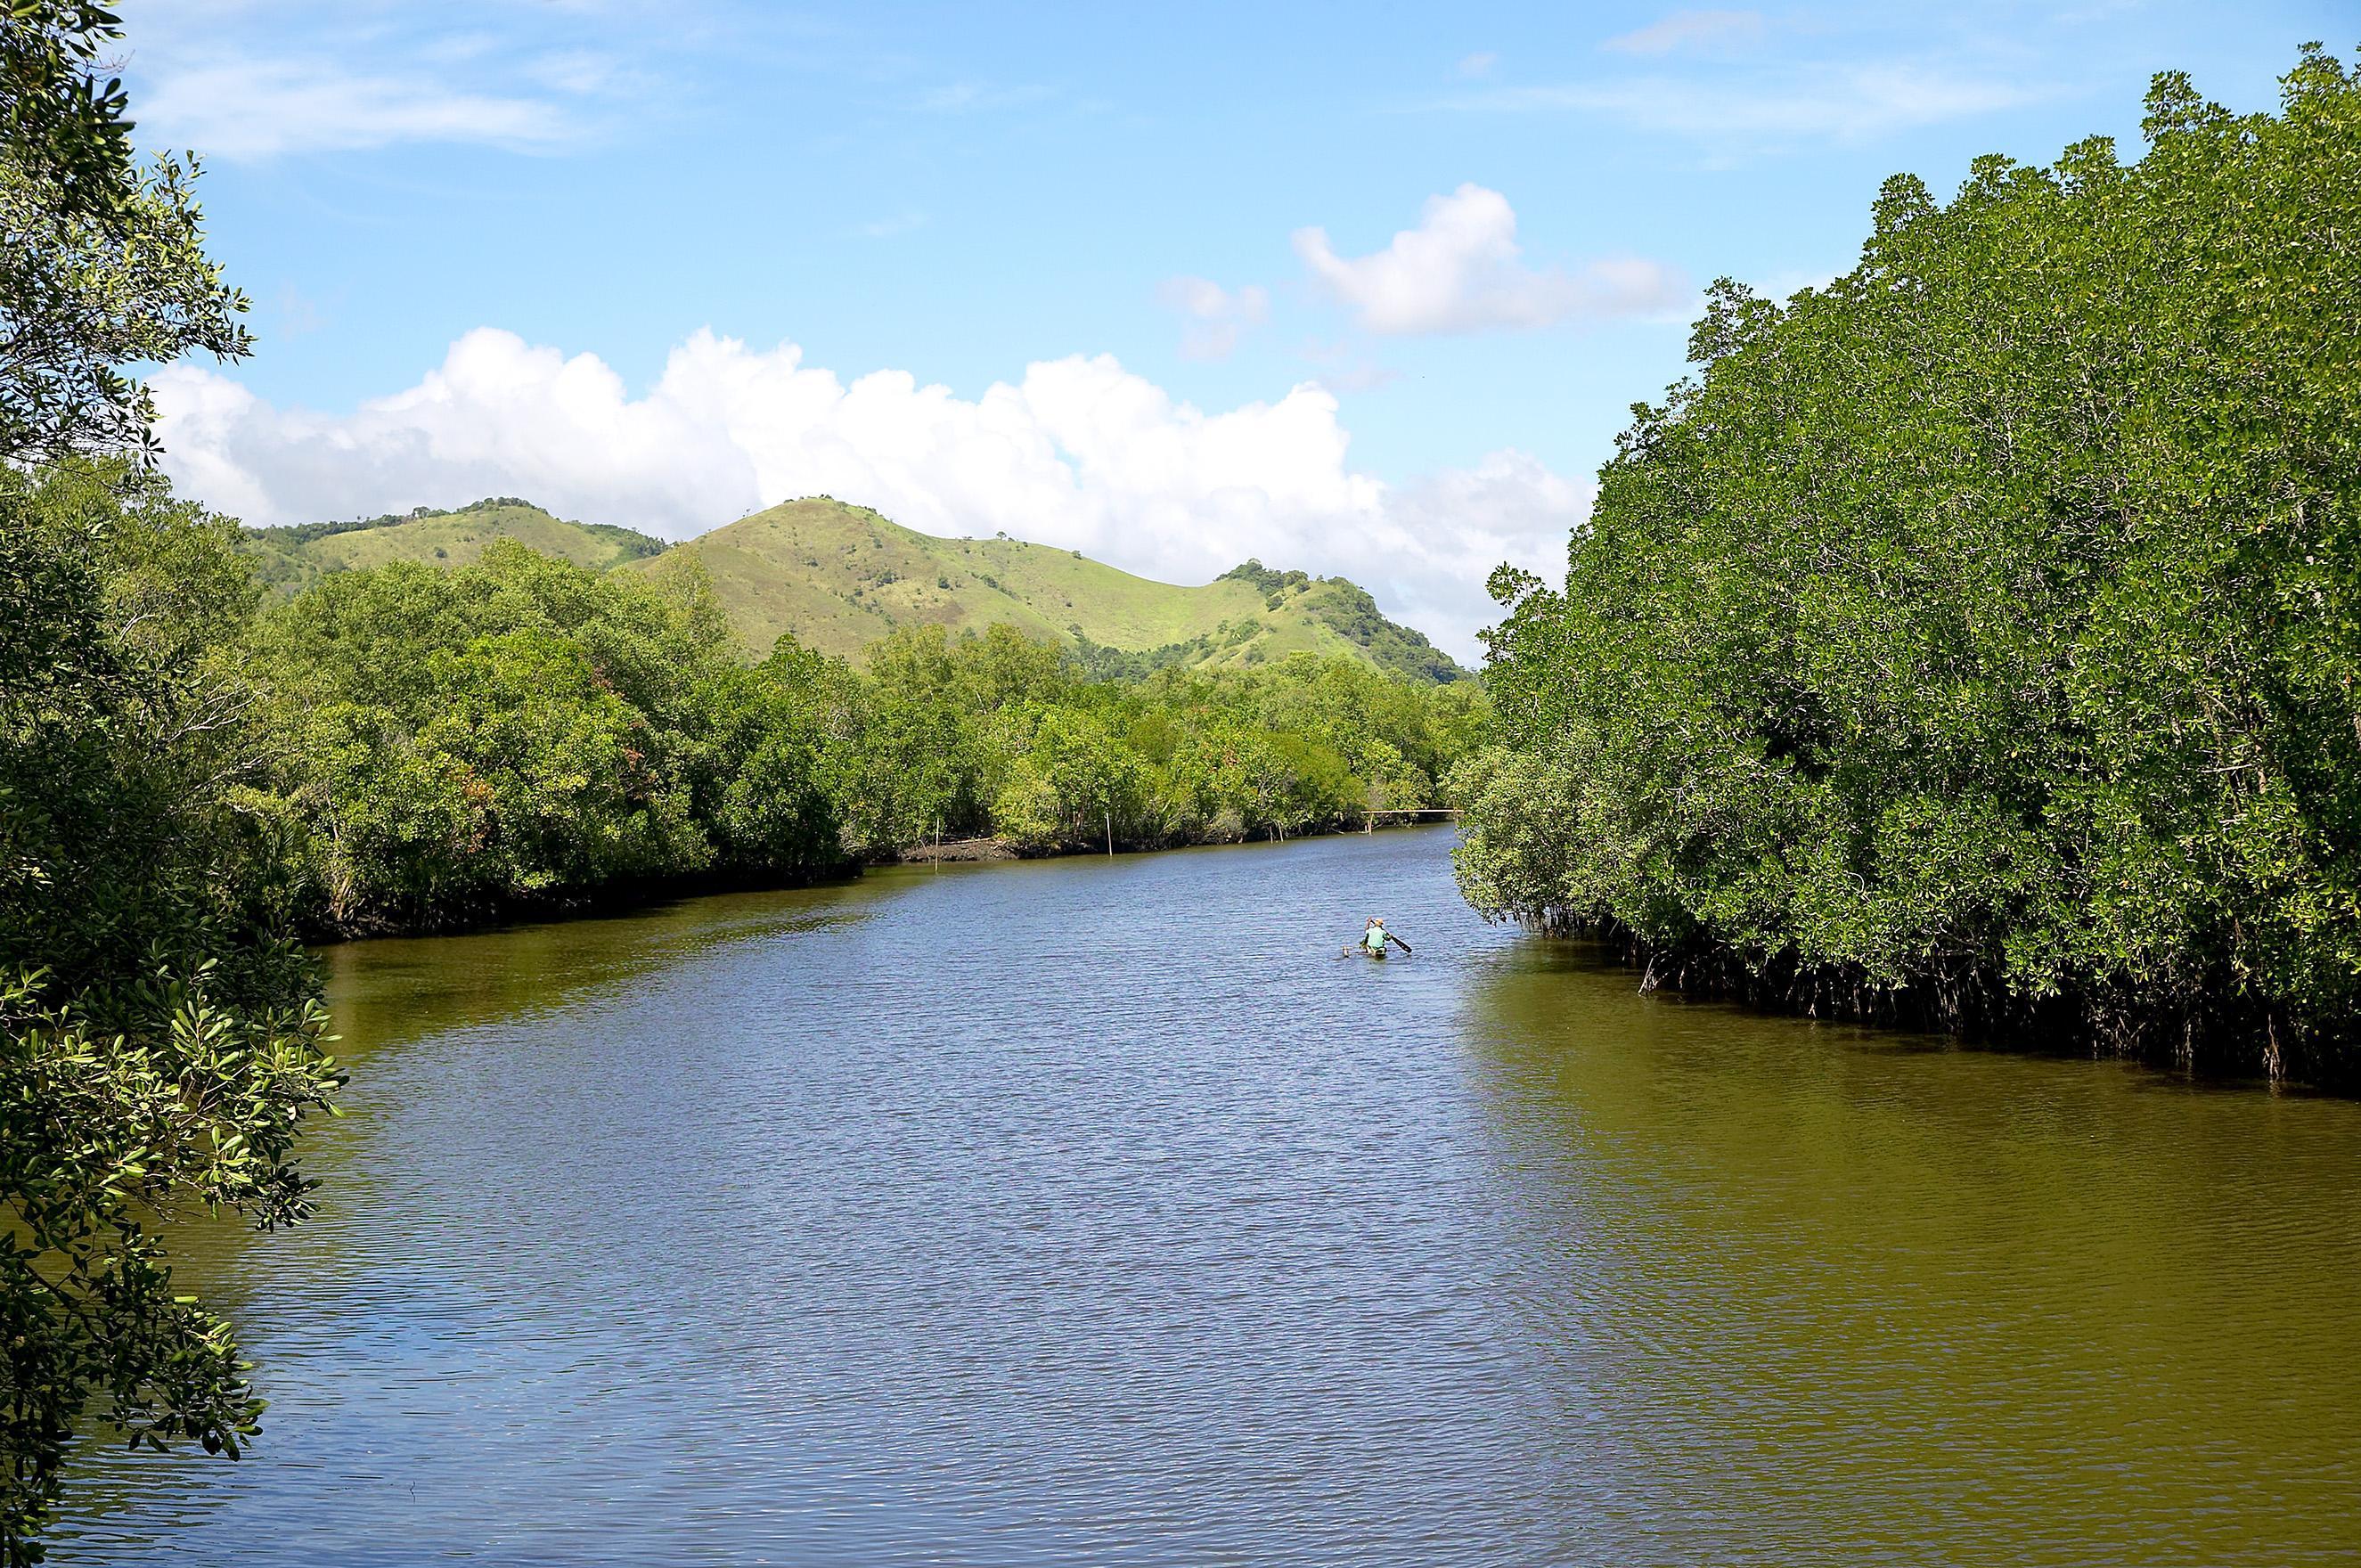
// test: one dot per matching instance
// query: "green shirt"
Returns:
(1375, 939)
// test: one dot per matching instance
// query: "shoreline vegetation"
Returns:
(625, 897)
(1973, 643)
(162, 1040)
(965, 852)
(409, 748)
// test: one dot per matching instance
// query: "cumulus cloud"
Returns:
(1079, 453)
(1691, 29)
(1462, 270)
(1465, 521)
(1216, 315)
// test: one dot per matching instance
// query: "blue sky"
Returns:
(1362, 290)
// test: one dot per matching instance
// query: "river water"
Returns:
(1096, 1211)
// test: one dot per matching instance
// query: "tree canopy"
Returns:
(522, 732)
(1974, 640)
(161, 1040)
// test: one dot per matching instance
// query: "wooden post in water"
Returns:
(1109, 822)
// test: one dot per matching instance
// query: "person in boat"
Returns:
(1374, 938)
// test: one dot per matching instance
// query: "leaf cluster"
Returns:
(62, 118)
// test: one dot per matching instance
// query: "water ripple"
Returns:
(1095, 1213)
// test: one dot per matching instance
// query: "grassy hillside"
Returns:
(842, 577)
(288, 558)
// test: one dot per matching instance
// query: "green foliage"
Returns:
(453, 745)
(59, 120)
(160, 1037)
(84, 292)
(1974, 640)
(523, 731)
(1266, 580)
(1101, 662)
(1002, 735)
(160, 1034)
(1347, 610)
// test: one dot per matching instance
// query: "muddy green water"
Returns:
(1095, 1211)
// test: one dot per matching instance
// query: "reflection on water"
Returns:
(1094, 1211)
(1830, 1296)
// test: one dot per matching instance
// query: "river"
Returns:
(1096, 1211)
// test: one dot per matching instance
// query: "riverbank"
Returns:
(2196, 1037)
(971, 851)
(621, 899)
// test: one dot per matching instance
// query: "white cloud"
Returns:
(1217, 316)
(1481, 63)
(909, 220)
(1460, 270)
(1691, 29)
(1079, 454)
(253, 108)
(1847, 102)
(1510, 507)
(578, 70)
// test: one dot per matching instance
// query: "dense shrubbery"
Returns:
(159, 1031)
(160, 1042)
(1975, 639)
(449, 746)
(1000, 735)
(457, 743)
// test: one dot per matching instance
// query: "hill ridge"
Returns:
(840, 576)
(291, 556)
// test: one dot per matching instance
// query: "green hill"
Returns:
(290, 558)
(842, 577)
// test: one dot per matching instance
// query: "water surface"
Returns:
(1095, 1211)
